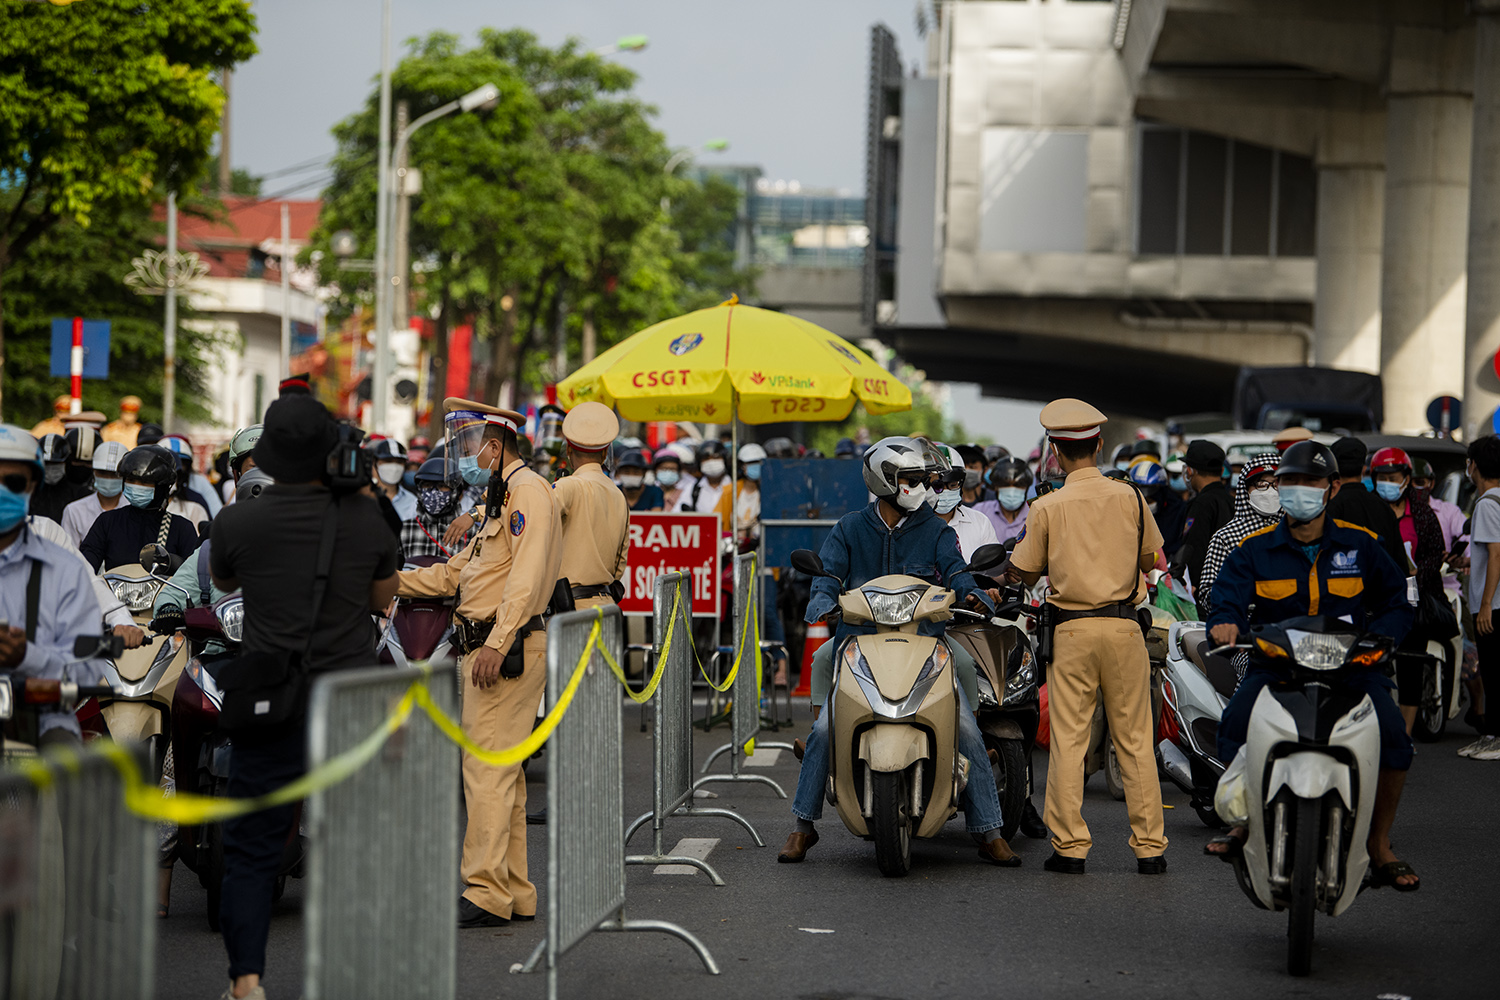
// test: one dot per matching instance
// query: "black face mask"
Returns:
(436, 501)
(80, 475)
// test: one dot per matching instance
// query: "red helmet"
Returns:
(1390, 460)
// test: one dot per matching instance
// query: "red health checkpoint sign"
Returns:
(669, 543)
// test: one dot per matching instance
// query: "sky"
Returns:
(782, 80)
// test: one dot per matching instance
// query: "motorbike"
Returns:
(1442, 662)
(1009, 709)
(421, 628)
(1197, 683)
(894, 767)
(143, 680)
(1304, 783)
(21, 698)
(201, 750)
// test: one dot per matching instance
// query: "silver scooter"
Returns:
(1197, 682)
(1303, 784)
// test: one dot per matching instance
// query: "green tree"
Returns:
(543, 213)
(923, 418)
(104, 107)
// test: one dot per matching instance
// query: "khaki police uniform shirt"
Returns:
(1083, 537)
(596, 527)
(507, 571)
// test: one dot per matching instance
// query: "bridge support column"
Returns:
(1422, 294)
(1481, 390)
(1346, 311)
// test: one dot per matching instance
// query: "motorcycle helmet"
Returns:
(995, 452)
(887, 460)
(1146, 447)
(179, 447)
(1390, 460)
(947, 463)
(149, 434)
(1121, 458)
(55, 452)
(711, 458)
(1011, 470)
(844, 448)
(18, 446)
(781, 447)
(436, 493)
(155, 465)
(241, 445)
(251, 485)
(107, 457)
(389, 456)
(1308, 458)
(631, 458)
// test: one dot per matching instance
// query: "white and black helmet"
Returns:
(888, 458)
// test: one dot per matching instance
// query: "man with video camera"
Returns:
(313, 558)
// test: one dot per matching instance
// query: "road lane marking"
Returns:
(763, 758)
(688, 847)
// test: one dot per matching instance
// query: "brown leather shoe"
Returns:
(797, 846)
(998, 852)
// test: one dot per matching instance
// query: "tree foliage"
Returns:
(925, 417)
(544, 211)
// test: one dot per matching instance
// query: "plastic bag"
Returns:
(1232, 796)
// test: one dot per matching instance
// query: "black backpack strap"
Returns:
(320, 582)
(33, 599)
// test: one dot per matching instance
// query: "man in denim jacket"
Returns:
(898, 533)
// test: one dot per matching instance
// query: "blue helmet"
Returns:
(1149, 476)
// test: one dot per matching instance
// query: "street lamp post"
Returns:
(475, 100)
(382, 196)
(681, 156)
(626, 43)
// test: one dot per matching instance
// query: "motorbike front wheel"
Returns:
(1304, 896)
(1432, 714)
(1010, 782)
(890, 822)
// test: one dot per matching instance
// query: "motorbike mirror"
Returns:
(152, 556)
(987, 555)
(807, 561)
(88, 647)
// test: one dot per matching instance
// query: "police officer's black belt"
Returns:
(582, 590)
(1060, 615)
(469, 635)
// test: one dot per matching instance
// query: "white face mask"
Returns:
(390, 473)
(910, 497)
(713, 468)
(1266, 502)
(632, 481)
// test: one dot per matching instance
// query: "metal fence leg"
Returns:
(621, 924)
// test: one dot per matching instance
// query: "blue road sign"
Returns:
(1454, 416)
(95, 348)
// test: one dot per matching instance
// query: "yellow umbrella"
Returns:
(695, 367)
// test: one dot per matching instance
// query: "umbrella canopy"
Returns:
(695, 367)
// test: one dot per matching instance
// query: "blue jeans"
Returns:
(1395, 745)
(980, 803)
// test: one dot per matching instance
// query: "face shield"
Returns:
(467, 454)
(549, 435)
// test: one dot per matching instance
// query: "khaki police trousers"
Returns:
(1108, 655)
(500, 716)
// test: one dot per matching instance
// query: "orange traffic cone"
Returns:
(817, 634)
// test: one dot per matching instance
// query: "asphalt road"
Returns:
(833, 929)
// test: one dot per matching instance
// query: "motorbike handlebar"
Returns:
(1219, 650)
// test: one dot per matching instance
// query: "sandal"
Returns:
(1388, 873)
(1235, 845)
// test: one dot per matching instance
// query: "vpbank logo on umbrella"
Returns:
(685, 343)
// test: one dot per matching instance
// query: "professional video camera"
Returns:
(350, 466)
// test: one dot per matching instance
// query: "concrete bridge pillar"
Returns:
(1346, 311)
(1425, 244)
(1482, 320)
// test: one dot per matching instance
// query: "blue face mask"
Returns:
(12, 508)
(1390, 492)
(1369, 483)
(1178, 484)
(948, 499)
(752, 472)
(140, 496)
(1011, 497)
(1303, 503)
(110, 487)
(468, 468)
(667, 477)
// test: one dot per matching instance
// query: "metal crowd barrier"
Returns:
(77, 884)
(586, 797)
(744, 713)
(381, 914)
(673, 740)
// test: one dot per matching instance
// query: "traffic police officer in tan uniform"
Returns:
(596, 518)
(1093, 538)
(504, 578)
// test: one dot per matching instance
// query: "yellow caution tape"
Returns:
(744, 633)
(661, 662)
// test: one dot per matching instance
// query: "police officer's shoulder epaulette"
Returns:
(1356, 527)
(1257, 534)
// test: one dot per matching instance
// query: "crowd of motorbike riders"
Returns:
(117, 514)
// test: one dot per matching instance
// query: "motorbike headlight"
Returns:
(1317, 651)
(231, 615)
(935, 663)
(987, 697)
(135, 594)
(1022, 673)
(893, 609)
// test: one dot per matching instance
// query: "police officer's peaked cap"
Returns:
(591, 426)
(453, 404)
(1205, 456)
(1309, 458)
(1291, 435)
(1072, 419)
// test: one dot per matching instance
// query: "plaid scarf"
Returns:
(1246, 522)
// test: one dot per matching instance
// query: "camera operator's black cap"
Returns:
(298, 384)
(1205, 456)
(296, 441)
(1350, 453)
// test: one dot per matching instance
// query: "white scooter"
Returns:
(1440, 686)
(1197, 683)
(1304, 783)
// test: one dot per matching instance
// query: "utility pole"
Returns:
(401, 294)
(169, 342)
(286, 291)
(225, 173)
(381, 374)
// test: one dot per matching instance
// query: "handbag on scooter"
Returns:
(264, 689)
